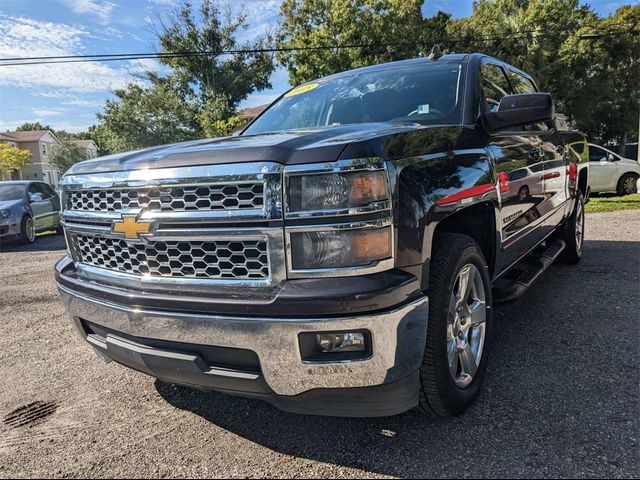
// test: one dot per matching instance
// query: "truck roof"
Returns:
(453, 57)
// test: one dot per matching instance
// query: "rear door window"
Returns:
(521, 84)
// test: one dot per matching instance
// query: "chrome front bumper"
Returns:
(398, 340)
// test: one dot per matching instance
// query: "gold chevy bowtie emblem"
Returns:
(130, 227)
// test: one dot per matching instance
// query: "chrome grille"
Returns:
(185, 198)
(242, 260)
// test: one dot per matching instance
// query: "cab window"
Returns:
(494, 86)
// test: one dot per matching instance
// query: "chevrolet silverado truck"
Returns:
(342, 254)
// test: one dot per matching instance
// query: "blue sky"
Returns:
(68, 96)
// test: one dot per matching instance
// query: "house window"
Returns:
(44, 149)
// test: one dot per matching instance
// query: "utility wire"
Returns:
(160, 55)
(279, 49)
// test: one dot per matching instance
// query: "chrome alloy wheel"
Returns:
(629, 186)
(30, 230)
(466, 325)
(579, 227)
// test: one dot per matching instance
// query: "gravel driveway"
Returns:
(561, 397)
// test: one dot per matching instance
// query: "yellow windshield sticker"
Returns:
(302, 89)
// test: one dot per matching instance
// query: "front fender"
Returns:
(430, 189)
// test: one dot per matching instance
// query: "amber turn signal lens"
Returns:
(368, 187)
(371, 244)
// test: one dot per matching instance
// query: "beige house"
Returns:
(89, 148)
(39, 143)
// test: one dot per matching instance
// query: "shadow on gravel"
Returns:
(550, 405)
(45, 242)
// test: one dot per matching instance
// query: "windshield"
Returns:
(11, 192)
(428, 93)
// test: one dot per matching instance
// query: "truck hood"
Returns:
(313, 145)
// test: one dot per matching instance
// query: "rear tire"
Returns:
(459, 328)
(573, 234)
(627, 184)
(27, 230)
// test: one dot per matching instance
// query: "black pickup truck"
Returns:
(342, 254)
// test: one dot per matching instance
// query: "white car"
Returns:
(609, 172)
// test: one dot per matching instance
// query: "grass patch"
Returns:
(610, 203)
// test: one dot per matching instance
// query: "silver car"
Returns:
(27, 208)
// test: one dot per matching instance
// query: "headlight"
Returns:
(336, 191)
(337, 195)
(340, 248)
(4, 213)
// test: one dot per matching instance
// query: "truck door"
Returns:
(519, 155)
(554, 160)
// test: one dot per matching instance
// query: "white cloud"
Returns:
(102, 9)
(46, 112)
(262, 17)
(81, 102)
(25, 37)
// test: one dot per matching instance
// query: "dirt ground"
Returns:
(560, 400)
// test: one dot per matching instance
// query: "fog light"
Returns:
(341, 342)
(330, 347)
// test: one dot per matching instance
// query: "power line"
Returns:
(276, 49)
(159, 55)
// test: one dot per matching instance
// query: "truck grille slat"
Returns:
(242, 259)
(185, 198)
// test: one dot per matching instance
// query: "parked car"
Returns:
(609, 172)
(27, 208)
(342, 255)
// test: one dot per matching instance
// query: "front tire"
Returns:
(27, 230)
(628, 184)
(573, 234)
(459, 328)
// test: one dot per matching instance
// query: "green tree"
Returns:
(525, 33)
(603, 90)
(141, 117)
(588, 64)
(398, 24)
(12, 159)
(64, 153)
(33, 126)
(220, 82)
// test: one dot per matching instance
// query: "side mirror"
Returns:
(519, 110)
(235, 133)
(35, 197)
